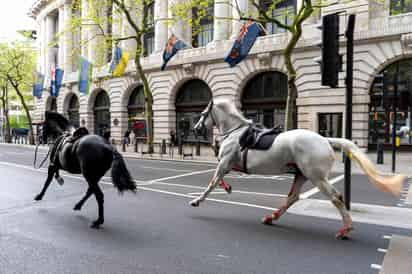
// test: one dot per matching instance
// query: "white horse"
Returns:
(310, 153)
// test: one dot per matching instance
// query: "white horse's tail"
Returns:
(386, 183)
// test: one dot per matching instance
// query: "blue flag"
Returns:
(56, 81)
(244, 42)
(172, 47)
(85, 75)
(38, 85)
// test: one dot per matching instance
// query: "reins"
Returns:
(35, 157)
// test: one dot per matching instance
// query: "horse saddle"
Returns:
(258, 138)
(77, 134)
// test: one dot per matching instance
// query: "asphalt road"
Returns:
(156, 231)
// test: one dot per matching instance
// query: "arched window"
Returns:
(264, 98)
(135, 110)
(381, 119)
(191, 100)
(101, 113)
(73, 111)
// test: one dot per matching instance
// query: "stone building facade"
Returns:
(258, 85)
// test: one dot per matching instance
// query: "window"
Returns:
(148, 37)
(330, 124)
(191, 100)
(284, 12)
(400, 6)
(203, 32)
(264, 99)
(381, 115)
(73, 111)
(101, 113)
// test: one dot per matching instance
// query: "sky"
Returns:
(13, 17)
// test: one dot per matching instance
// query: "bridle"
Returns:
(207, 112)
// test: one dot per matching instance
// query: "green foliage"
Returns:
(19, 121)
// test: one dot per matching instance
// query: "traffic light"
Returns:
(331, 60)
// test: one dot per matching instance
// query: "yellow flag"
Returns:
(121, 67)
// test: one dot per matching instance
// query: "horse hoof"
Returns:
(96, 224)
(38, 197)
(229, 189)
(77, 207)
(267, 220)
(343, 233)
(194, 203)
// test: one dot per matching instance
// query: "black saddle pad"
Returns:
(257, 138)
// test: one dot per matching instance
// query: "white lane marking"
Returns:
(209, 199)
(163, 168)
(181, 175)
(387, 237)
(64, 173)
(234, 191)
(261, 177)
(376, 266)
(315, 190)
(214, 192)
(382, 250)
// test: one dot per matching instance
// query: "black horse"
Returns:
(76, 151)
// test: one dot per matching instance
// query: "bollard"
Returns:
(198, 148)
(124, 146)
(180, 148)
(379, 151)
(163, 148)
(135, 145)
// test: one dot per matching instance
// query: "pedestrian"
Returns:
(126, 137)
(132, 137)
(173, 138)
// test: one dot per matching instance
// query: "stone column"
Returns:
(61, 41)
(237, 24)
(160, 14)
(84, 32)
(67, 37)
(127, 30)
(221, 25)
(42, 45)
(49, 50)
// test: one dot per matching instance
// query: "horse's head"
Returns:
(54, 125)
(206, 119)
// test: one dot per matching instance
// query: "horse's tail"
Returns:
(121, 177)
(386, 183)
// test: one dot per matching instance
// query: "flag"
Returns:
(56, 78)
(172, 47)
(38, 84)
(244, 42)
(85, 75)
(119, 62)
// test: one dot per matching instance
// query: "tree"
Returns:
(4, 98)
(17, 63)
(121, 12)
(264, 14)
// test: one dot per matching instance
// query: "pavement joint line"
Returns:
(315, 190)
(168, 169)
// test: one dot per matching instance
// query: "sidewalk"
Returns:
(403, 158)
